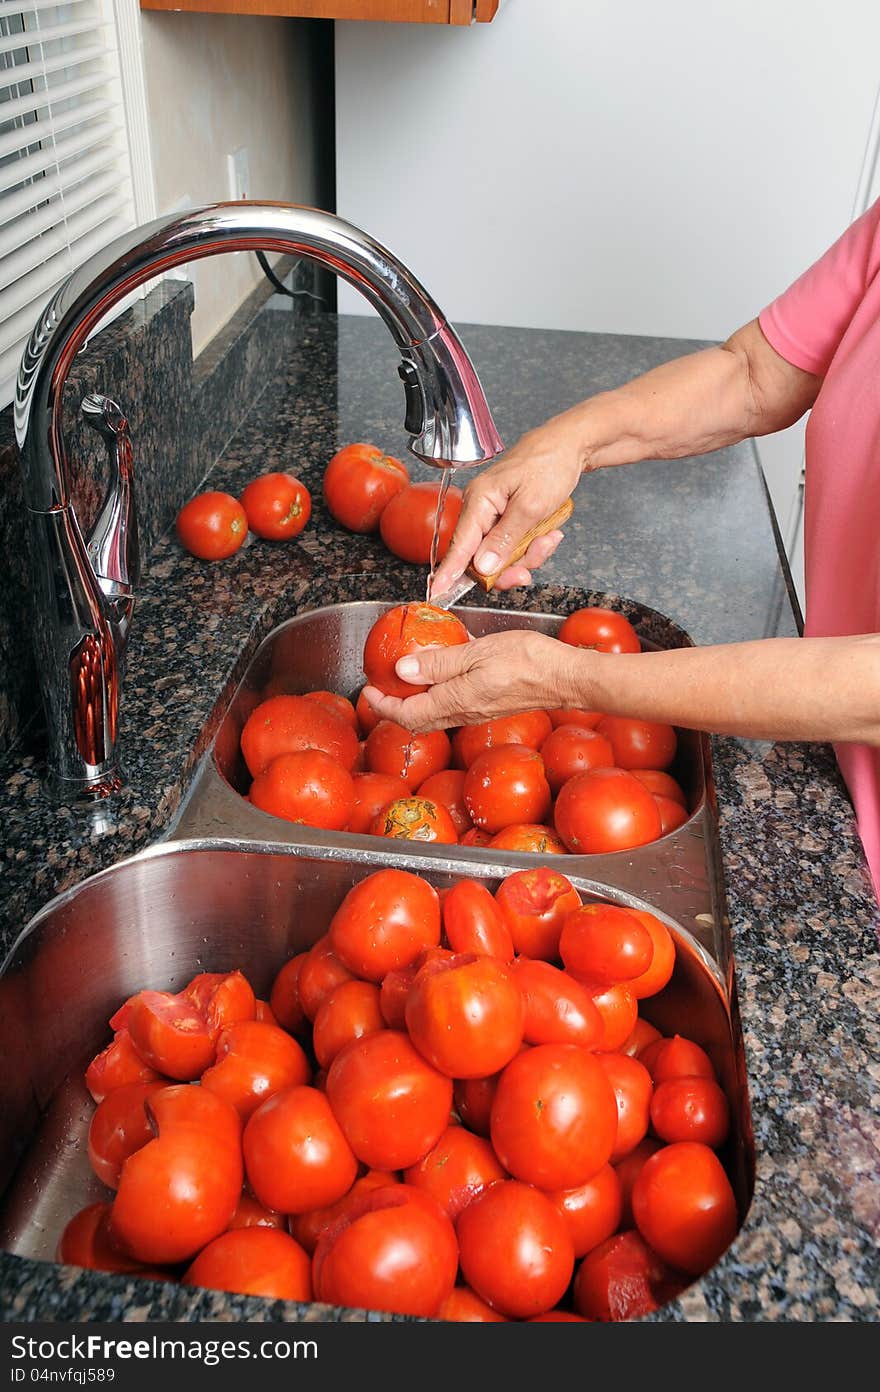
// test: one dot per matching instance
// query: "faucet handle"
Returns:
(113, 543)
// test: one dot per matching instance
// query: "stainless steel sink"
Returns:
(178, 908)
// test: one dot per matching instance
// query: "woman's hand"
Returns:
(498, 675)
(506, 499)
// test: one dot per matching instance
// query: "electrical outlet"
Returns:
(238, 164)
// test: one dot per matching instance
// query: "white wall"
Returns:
(616, 165)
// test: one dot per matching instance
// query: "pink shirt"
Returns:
(828, 323)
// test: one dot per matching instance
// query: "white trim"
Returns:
(131, 63)
(868, 188)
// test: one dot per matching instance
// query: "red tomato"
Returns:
(284, 996)
(394, 1249)
(474, 923)
(619, 1010)
(289, 724)
(605, 809)
(691, 1109)
(396, 986)
(367, 717)
(254, 1062)
(602, 629)
(628, 1170)
(591, 1211)
(535, 904)
(530, 728)
(642, 1035)
(663, 961)
(676, 1058)
(403, 630)
(516, 1251)
(118, 1128)
(447, 787)
(224, 998)
(87, 1241)
(308, 787)
(118, 1064)
(263, 1012)
(407, 522)
(672, 814)
(372, 792)
(359, 482)
(571, 749)
(623, 1279)
(320, 974)
(337, 705)
(195, 1109)
(250, 1213)
(605, 944)
(349, 1012)
(633, 1091)
(415, 819)
(464, 1306)
(684, 1206)
(573, 715)
(176, 1194)
(277, 506)
(254, 1261)
(392, 749)
(507, 784)
(456, 1170)
(558, 1010)
(169, 1033)
(660, 784)
(391, 1104)
(295, 1153)
(465, 1015)
(554, 1117)
(309, 1227)
(528, 837)
(476, 837)
(212, 525)
(639, 744)
(384, 922)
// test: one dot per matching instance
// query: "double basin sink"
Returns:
(229, 887)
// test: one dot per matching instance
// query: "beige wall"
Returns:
(214, 83)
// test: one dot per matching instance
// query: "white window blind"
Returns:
(65, 170)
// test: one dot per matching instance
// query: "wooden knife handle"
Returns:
(556, 519)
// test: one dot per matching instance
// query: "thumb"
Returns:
(519, 517)
(433, 664)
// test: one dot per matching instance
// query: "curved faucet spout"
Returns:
(84, 592)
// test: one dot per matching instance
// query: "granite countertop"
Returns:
(693, 539)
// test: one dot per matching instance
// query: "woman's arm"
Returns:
(773, 688)
(695, 403)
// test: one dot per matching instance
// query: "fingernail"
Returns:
(488, 562)
(407, 667)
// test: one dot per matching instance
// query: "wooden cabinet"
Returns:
(405, 11)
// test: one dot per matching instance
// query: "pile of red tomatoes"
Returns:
(550, 782)
(449, 1107)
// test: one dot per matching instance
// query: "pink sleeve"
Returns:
(807, 321)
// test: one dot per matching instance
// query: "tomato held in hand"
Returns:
(254, 1261)
(530, 727)
(516, 1251)
(295, 1153)
(254, 1061)
(605, 944)
(465, 1015)
(456, 1170)
(414, 819)
(212, 525)
(474, 923)
(507, 784)
(407, 521)
(602, 629)
(684, 1206)
(554, 1116)
(623, 1279)
(605, 809)
(571, 749)
(535, 904)
(528, 838)
(288, 724)
(359, 482)
(642, 744)
(308, 787)
(277, 506)
(558, 1009)
(394, 750)
(404, 630)
(384, 922)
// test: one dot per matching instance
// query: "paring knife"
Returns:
(473, 577)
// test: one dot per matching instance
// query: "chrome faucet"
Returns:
(84, 591)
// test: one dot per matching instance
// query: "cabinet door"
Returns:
(407, 11)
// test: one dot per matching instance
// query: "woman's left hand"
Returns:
(497, 675)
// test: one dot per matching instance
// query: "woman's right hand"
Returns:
(507, 498)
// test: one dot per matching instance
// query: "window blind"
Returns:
(65, 171)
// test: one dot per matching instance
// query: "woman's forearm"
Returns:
(774, 688)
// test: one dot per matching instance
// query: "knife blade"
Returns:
(471, 577)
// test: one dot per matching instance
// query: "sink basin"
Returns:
(179, 908)
(679, 874)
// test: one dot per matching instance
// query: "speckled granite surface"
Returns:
(692, 539)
